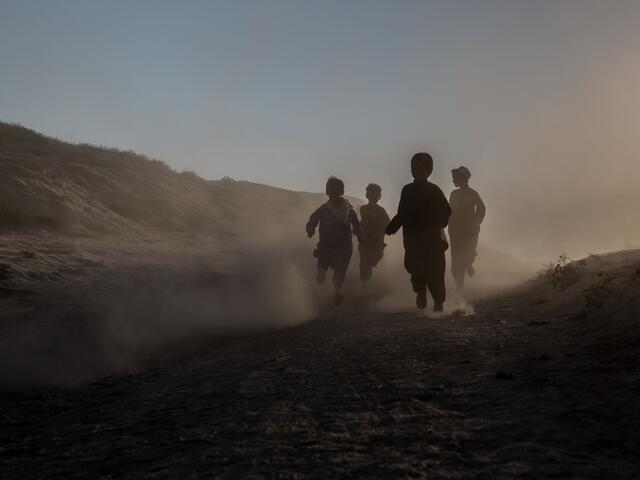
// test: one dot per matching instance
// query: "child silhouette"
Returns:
(423, 212)
(336, 219)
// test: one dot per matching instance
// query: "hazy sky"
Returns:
(535, 97)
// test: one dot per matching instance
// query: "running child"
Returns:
(337, 223)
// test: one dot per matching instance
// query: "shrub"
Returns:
(565, 272)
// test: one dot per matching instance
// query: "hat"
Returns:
(462, 171)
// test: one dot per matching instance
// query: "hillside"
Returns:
(52, 185)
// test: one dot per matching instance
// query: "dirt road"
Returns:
(500, 394)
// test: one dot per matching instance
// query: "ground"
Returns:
(508, 392)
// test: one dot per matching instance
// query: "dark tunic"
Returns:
(335, 246)
(423, 212)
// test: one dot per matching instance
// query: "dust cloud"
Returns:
(561, 175)
(126, 329)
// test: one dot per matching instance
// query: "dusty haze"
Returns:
(539, 99)
(159, 311)
(110, 260)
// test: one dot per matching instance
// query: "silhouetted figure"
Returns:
(468, 211)
(336, 218)
(374, 220)
(423, 212)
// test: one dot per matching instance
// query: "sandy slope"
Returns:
(521, 389)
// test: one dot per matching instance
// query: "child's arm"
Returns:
(398, 220)
(362, 219)
(355, 225)
(481, 210)
(394, 225)
(384, 218)
(313, 222)
(443, 209)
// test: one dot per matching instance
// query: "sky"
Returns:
(539, 98)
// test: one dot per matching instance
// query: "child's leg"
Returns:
(322, 271)
(365, 273)
(338, 277)
(365, 265)
(375, 256)
(340, 264)
(419, 284)
(458, 262)
(472, 249)
(458, 259)
(458, 268)
(414, 262)
(435, 280)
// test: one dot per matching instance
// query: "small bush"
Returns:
(565, 272)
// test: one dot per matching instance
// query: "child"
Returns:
(423, 212)
(337, 219)
(374, 219)
(468, 211)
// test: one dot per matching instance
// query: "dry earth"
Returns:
(512, 391)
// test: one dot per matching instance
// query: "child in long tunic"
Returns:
(468, 211)
(423, 212)
(374, 219)
(337, 221)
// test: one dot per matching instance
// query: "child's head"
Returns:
(460, 176)
(334, 188)
(421, 166)
(374, 193)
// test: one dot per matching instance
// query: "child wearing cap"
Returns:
(468, 211)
